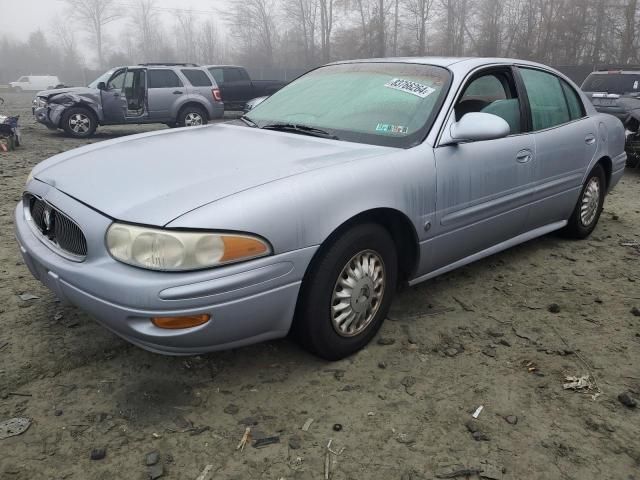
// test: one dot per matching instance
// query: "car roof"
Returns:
(452, 63)
(608, 72)
(223, 66)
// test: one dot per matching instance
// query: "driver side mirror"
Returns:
(102, 86)
(478, 126)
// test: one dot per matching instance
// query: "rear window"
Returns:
(619, 83)
(197, 78)
(163, 79)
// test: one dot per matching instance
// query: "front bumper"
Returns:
(248, 302)
(43, 115)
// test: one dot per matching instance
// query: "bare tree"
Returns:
(305, 14)
(252, 22)
(144, 17)
(186, 35)
(627, 50)
(326, 26)
(93, 15)
(420, 11)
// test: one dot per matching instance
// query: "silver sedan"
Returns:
(306, 214)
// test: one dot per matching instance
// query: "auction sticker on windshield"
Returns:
(407, 86)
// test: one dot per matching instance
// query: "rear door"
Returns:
(164, 88)
(114, 101)
(483, 187)
(566, 141)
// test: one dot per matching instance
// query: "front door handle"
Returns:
(177, 92)
(524, 156)
(590, 139)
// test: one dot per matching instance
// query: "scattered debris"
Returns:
(456, 471)
(554, 308)
(156, 471)
(476, 414)
(627, 400)
(337, 427)
(386, 341)
(25, 297)
(205, 473)
(405, 439)
(511, 419)
(14, 426)
(295, 442)
(474, 428)
(635, 311)
(307, 424)
(328, 458)
(152, 458)
(263, 442)
(382, 365)
(465, 306)
(246, 438)
(98, 453)
(577, 383)
(231, 409)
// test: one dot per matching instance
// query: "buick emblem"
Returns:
(47, 218)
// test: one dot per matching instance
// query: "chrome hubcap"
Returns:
(590, 202)
(79, 123)
(192, 119)
(358, 293)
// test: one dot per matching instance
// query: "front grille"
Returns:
(56, 227)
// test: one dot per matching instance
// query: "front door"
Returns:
(483, 187)
(566, 141)
(114, 101)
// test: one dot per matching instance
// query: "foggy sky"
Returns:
(18, 18)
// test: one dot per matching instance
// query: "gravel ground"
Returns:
(401, 409)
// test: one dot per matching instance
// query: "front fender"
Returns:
(303, 210)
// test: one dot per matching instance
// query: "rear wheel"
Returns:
(79, 122)
(347, 293)
(192, 116)
(587, 212)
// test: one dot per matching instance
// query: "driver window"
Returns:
(493, 93)
(116, 82)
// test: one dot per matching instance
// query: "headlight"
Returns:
(39, 102)
(172, 250)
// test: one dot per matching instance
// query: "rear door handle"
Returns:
(524, 156)
(177, 92)
(590, 139)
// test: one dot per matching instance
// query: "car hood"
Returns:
(153, 178)
(81, 91)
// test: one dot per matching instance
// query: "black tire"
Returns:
(187, 112)
(313, 324)
(79, 122)
(577, 227)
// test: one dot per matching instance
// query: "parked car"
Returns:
(306, 214)
(253, 103)
(609, 91)
(238, 88)
(34, 83)
(178, 94)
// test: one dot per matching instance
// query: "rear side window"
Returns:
(218, 74)
(576, 109)
(546, 99)
(197, 78)
(163, 79)
(234, 75)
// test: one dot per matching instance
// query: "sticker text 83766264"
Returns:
(407, 86)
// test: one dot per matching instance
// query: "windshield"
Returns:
(102, 78)
(619, 83)
(390, 104)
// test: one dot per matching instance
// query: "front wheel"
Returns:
(347, 292)
(587, 212)
(79, 122)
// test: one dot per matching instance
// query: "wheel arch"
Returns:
(607, 165)
(399, 227)
(192, 103)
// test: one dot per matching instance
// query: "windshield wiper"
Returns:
(248, 121)
(302, 129)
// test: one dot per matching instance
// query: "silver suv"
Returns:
(177, 94)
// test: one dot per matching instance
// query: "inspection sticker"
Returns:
(414, 88)
(385, 127)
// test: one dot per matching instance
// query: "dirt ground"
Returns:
(400, 409)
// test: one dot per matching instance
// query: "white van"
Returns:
(35, 82)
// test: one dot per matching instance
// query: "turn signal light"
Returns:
(242, 247)
(174, 323)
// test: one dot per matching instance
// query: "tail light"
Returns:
(217, 96)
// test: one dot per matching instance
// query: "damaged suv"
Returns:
(178, 95)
